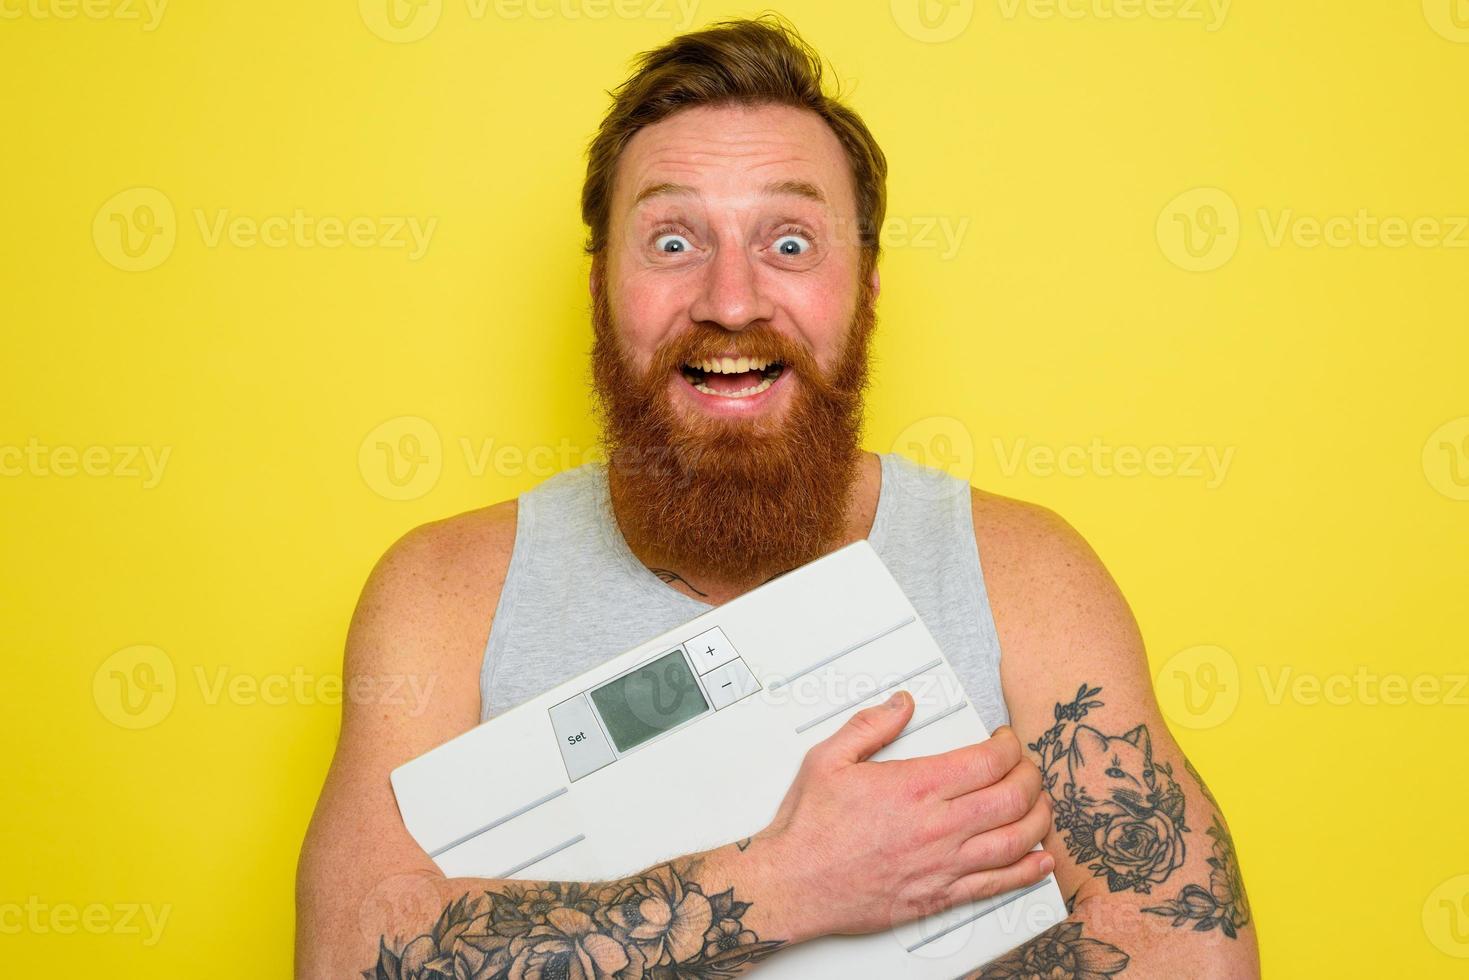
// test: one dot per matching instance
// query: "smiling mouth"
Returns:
(732, 377)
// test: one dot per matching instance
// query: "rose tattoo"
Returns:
(1119, 811)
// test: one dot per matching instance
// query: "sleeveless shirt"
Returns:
(576, 595)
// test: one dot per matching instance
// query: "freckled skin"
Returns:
(731, 276)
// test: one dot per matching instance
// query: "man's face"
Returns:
(733, 233)
(731, 340)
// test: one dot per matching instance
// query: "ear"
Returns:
(876, 283)
(1139, 736)
(1087, 743)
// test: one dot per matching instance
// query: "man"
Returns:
(733, 211)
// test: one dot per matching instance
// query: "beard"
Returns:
(741, 499)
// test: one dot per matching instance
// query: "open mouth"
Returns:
(732, 377)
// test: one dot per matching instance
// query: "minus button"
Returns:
(729, 683)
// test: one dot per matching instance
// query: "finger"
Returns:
(986, 884)
(971, 767)
(868, 730)
(1005, 845)
(999, 803)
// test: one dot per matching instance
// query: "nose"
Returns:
(731, 295)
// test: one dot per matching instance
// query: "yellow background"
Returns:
(1051, 146)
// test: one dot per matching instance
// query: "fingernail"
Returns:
(894, 701)
(1048, 864)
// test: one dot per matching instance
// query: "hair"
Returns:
(763, 61)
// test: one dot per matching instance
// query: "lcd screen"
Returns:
(649, 701)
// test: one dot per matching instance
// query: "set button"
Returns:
(584, 748)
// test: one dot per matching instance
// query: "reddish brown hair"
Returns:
(745, 62)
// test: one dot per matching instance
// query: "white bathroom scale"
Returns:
(690, 740)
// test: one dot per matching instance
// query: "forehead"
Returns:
(734, 153)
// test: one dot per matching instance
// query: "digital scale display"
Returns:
(655, 698)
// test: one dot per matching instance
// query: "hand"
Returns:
(863, 846)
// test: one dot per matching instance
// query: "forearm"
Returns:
(723, 907)
(1104, 938)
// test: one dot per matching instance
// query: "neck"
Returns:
(709, 584)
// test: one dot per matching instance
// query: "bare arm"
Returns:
(370, 900)
(1143, 852)
(957, 827)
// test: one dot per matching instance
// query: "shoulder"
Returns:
(434, 591)
(454, 547)
(1054, 602)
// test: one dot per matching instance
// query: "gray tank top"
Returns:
(575, 594)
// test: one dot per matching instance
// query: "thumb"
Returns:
(870, 729)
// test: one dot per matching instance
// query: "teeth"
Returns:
(742, 393)
(731, 365)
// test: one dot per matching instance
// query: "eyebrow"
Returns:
(776, 188)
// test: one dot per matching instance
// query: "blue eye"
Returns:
(672, 244)
(792, 245)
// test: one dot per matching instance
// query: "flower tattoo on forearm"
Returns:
(659, 925)
(1059, 953)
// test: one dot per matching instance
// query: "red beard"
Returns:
(738, 499)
